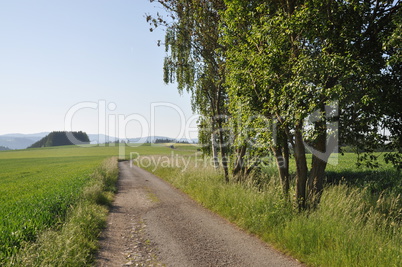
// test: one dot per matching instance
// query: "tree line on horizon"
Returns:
(169, 140)
(279, 78)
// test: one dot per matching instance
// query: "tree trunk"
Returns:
(222, 145)
(316, 180)
(285, 146)
(283, 168)
(280, 150)
(223, 153)
(214, 150)
(301, 168)
(319, 162)
(238, 168)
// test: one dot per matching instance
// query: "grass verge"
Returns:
(74, 242)
(351, 227)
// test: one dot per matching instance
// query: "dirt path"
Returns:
(153, 224)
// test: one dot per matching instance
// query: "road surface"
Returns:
(153, 224)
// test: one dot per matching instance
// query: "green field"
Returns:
(344, 169)
(39, 186)
(35, 193)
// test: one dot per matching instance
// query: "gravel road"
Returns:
(153, 224)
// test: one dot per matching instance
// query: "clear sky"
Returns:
(90, 65)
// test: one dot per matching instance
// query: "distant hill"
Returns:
(2, 148)
(101, 138)
(61, 139)
(20, 141)
(29, 136)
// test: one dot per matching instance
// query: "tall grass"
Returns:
(351, 227)
(74, 242)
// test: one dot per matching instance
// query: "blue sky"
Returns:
(94, 61)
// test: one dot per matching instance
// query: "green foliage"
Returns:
(193, 58)
(291, 59)
(166, 140)
(395, 159)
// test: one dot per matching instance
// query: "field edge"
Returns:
(75, 242)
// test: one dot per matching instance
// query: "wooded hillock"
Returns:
(62, 138)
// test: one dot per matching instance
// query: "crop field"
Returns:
(385, 177)
(38, 186)
(35, 194)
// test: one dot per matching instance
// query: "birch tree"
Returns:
(195, 61)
